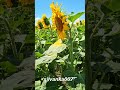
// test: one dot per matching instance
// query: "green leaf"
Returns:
(50, 54)
(55, 49)
(114, 5)
(83, 38)
(9, 67)
(1, 10)
(80, 78)
(45, 59)
(81, 28)
(17, 80)
(39, 86)
(62, 59)
(38, 54)
(69, 73)
(29, 38)
(76, 16)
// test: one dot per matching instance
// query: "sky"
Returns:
(43, 7)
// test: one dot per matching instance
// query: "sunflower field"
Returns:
(60, 50)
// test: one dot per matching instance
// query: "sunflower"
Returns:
(39, 24)
(83, 22)
(59, 20)
(45, 21)
(9, 3)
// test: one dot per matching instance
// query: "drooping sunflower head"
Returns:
(59, 21)
(39, 24)
(45, 21)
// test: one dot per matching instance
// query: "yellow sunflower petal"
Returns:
(58, 42)
(61, 35)
(65, 27)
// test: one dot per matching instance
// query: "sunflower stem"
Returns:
(51, 31)
(11, 38)
(71, 47)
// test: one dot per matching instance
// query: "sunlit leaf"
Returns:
(75, 17)
(45, 59)
(62, 59)
(55, 48)
(39, 86)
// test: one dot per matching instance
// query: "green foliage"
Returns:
(103, 46)
(16, 45)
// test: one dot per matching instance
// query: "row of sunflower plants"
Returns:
(60, 50)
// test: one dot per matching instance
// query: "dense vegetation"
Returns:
(16, 44)
(102, 44)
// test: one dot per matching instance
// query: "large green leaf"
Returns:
(45, 59)
(50, 54)
(55, 49)
(72, 18)
(114, 5)
(20, 79)
(9, 67)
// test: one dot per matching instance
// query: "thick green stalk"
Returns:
(71, 48)
(51, 31)
(11, 38)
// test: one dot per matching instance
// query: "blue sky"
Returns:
(43, 7)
